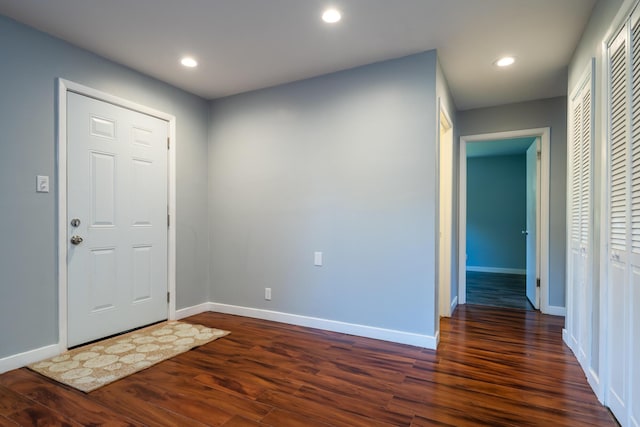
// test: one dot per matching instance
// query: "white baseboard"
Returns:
(571, 342)
(193, 310)
(401, 337)
(592, 376)
(594, 382)
(565, 337)
(454, 304)
(555, 310)
(497, 270)
(28, 357)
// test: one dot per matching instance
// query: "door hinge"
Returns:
(168, 297)
(168, 220)
(537, 283)
(168, 143)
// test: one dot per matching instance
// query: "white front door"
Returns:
(532, 229)
(117, 219)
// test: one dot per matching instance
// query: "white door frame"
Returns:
(545, 137)
(63, 87)
(446, 261)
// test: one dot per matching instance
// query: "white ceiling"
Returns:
(249, 44)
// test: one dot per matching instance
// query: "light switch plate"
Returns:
(317, 259)
(42, 184)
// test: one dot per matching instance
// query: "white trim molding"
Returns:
(500, 270)
(62, 88)
(446, 253)
(454, 304)
(401, 337)
(19, 360)
(555, 310)
(193, 310)
(594, 381)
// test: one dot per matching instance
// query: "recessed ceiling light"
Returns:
(331, 16)
(188, 61)
(505, 61)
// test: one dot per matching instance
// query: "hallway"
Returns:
(497, 290)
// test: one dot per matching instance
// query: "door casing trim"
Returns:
(62, 88)
(545, 171)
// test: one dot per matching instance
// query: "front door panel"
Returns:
(116, 226)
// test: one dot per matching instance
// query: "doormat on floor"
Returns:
(90, 367)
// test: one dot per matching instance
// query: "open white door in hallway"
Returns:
(533, 292)
(116, 219)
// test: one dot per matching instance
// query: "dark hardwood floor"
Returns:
(497, 290)
(493, 367)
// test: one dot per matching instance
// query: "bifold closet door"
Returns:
(580, 220)
(623, 257)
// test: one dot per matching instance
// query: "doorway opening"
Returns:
(508, 253)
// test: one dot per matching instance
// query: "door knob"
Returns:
(525, 232)
(76, 240)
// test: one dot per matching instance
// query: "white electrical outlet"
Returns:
(317, 259)
(267, 294)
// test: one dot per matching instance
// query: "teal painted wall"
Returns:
(496, 211)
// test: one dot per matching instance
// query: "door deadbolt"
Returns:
(76, 240)
(75, 222)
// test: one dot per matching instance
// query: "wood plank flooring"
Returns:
(493, 367)
(497, 290)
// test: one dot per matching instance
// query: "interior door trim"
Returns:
(545, 138)
(62, 88)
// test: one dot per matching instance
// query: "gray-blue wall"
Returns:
(31, 62)
(344, 164)
(496, 211)
(551, 113)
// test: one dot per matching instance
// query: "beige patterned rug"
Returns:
(94, 365)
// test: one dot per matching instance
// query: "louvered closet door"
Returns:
(618, 167)
(624, 122)
(585, 299)
(579, 197)
(633, 290)
(574, 270)
(574, 273)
